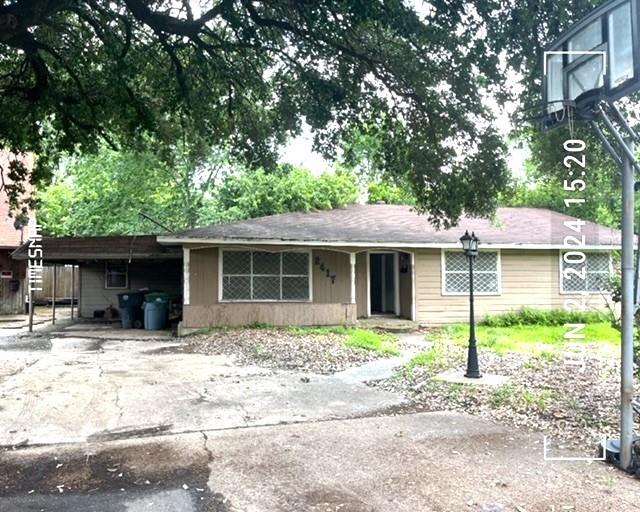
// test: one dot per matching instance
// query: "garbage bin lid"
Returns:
(156, 297)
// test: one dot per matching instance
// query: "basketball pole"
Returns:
(628, 164)
(626, 363)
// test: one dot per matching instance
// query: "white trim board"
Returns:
(372, 245)
(186, 276)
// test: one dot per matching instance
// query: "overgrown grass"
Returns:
(372, 340)
(434, 358)
(508, 394)
(542, 340)
(532, 316)
(368, 339)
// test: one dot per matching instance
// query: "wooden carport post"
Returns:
(30, 296)
(53, 296)
(73, 287)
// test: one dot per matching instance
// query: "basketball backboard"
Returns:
(598, 58)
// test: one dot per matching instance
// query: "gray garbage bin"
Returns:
(129, 307)
(156, 311)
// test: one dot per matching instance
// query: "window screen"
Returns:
(265, 276)
(116, 276)
(591, 275)
(485, 273)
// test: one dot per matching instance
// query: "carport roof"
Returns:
(382, 225)
(88, 248)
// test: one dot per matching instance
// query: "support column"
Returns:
(53, 295)
(186, 289)
(626, 383)
(73, 288)
(352, 262)
(412, 255)
(30, 295)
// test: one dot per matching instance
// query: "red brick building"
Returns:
(12, 272)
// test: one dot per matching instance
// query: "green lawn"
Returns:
(530, 338)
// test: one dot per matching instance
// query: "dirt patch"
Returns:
(573, 400)
(272, 348)
(100, 468)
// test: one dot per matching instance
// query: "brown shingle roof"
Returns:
(396, 224)
(69, 248)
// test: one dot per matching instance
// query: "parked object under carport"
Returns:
(156, 311)
(129, 307)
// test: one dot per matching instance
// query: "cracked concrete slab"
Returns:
(421, 462)
(103, 388)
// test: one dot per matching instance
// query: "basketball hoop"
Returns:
(589, 67)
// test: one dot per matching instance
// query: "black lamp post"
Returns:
(470, 248)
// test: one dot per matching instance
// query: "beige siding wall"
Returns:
(335, 264)
(165, 276)
(329, 306)
(203, 272)
(529, 278)
(276, 313)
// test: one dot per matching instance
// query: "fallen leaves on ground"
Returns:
(573, 397)
(273, 348)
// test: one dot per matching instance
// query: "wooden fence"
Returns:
(63, 285)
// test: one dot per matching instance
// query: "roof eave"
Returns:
(169, 240)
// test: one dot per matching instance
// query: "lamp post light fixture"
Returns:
(470, 248)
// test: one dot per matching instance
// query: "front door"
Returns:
(383, 284)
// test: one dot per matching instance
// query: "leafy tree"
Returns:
(105, 193)
(256, 193)
(243, 74)
(359, 153)
(524, 32)
(540, 190)
(390, 193)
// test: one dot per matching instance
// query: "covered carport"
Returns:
(109, 265)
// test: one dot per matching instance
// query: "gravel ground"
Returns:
(272, 348)
(572, 397)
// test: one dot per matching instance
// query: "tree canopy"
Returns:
(244, 74)
(108, 192)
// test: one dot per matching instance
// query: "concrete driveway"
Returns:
(430, 462)
(107, 420)
(91, 385)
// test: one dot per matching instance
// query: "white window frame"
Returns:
(443, 272)
(561, 269)
(126, 275)
(250, 250)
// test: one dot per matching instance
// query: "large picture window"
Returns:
(265, 276)
(588, 274)
(486, 273)
(116, 276)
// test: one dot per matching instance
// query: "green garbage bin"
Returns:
(156, 311)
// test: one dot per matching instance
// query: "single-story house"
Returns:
(108, 265)
(335, 266)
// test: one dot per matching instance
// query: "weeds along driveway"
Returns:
(90, 386)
